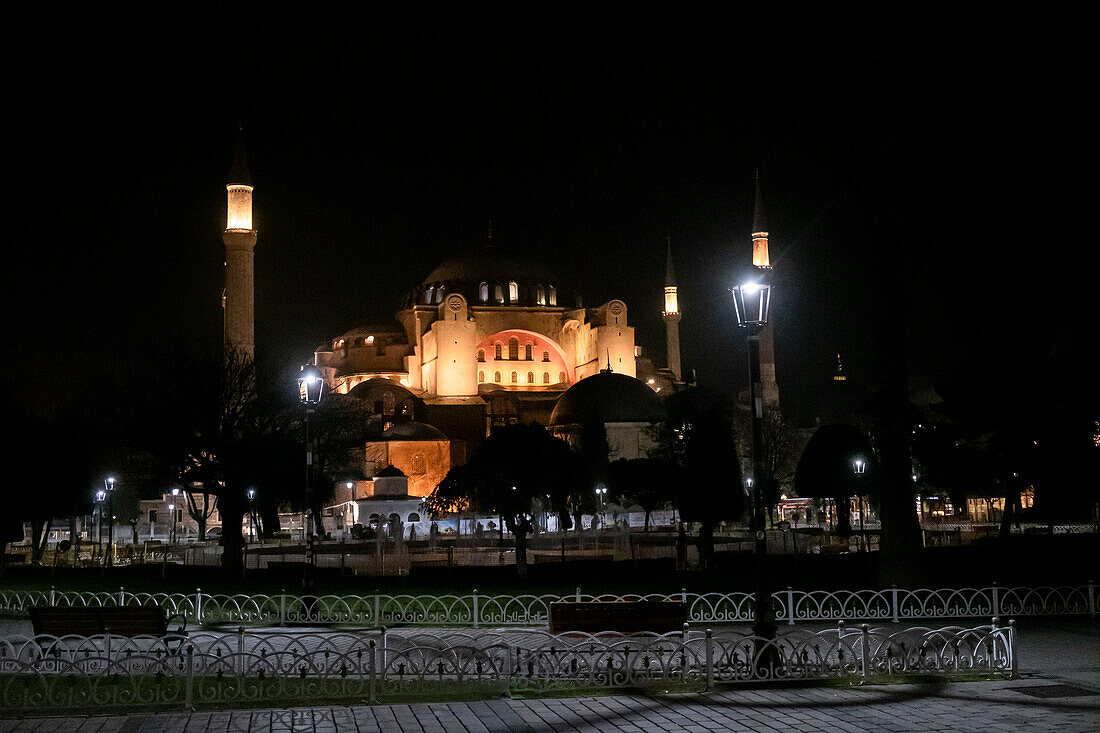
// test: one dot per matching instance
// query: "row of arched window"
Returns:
(513, 352)
(515, 378)
(543, 295)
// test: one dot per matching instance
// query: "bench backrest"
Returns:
(92, 620)
(627, 617)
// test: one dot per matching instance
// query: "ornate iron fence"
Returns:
(246, 668)
(479, 610)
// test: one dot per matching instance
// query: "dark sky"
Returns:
(903, 148)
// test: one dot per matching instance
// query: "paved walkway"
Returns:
(1059, 690)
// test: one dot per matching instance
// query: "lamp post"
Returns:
(751, 300)
(311, 387)
(251, 511)
(859, 467)
(175, 498)
(100, 498)
(109, 484)
(172, 533)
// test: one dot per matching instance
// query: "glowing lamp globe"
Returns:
(751, 300)
(311, 385)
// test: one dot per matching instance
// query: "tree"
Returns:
(511, 469)
(698, 437)
(647, 482)
(826, 469)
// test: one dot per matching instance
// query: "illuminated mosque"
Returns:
(486, 339)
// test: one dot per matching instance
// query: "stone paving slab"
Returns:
(957, 706)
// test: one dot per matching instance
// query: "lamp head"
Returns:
(100, 495)
(251, 494)
(311, 385)
(751, 301)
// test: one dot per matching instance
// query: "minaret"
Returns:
(240, 239)
(762, 260)
(671, 314)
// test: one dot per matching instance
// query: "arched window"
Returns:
(374, 520)
(480, 377)
(553, 295)
(414, 518)
(546, 356)
(498, 294)
(496, 377)
(541, 295)
(513, 292)
(481, 355)
(527, 352)
(546, 377)
(496, 351)
(428, 294)
(530, 377)
(439, 294)
(515, 378)
(483, 292)
(561, 377)
(513, 349)
(369, 340)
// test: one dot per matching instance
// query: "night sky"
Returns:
(902, 148)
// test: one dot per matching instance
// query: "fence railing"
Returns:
(246, 668)
(481, 610)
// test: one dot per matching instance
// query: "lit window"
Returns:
(513, 349)
(439, 295)
(483, 292)
(481, 354)
(561, 376)
(546, 356)
(541, 295)
(527, 352)
(369, 341)
(481, 377)
(496, 351)
(553, 295)
(496, 377)
(513, 292)
(428, 294)
(498, 294)
(530, 377)
(546, 377)
(515, 378)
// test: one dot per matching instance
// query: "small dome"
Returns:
(389, 471)
(385, 429)
(607, 397)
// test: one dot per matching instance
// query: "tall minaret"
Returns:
(671, 314)
(762, 260)
(240, 239)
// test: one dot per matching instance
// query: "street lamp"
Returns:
(601, 491)
(751, 301)
(172, 534)
(311, 387)
(100, 498)
(251, 493)
(859, 467)
(109, 484)
(175, 494)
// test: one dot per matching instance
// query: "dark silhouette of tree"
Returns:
(826, 470)
(649, 483)
(698, 437)
(511, 469)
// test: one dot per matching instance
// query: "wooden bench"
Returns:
(95, 620)
(627, 617)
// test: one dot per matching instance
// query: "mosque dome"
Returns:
(607, 397)
(490, 275)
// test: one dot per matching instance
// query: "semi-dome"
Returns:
(607, 397)
(386, 429)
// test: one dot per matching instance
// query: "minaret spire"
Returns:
(760, 256)
(671, 316)
(239, 238)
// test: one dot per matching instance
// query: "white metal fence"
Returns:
(481, 610)
(246, 668)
